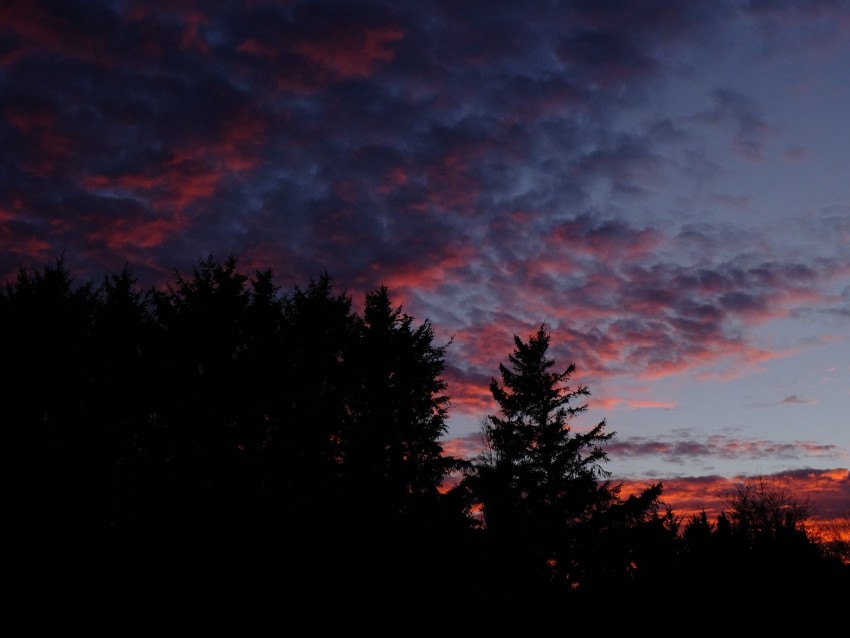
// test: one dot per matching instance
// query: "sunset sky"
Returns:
(665, 185)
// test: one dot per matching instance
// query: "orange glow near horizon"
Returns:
(825, 490)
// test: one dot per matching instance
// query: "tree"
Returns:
(47, 321)
(122, 374)
(546, 500)
(392, 450)
(377, 398)
(769, 527)
(202, 396)
(762, 509)
(314, 386)
(835, 536)
(761, 542)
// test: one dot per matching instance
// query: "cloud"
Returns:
(789, 400)
(794, 399)
(680, 450)
(497, 165)
(736, 109)
(825, 491)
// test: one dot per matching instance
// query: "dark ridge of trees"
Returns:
(221, 425)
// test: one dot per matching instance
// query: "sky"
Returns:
(664, 185)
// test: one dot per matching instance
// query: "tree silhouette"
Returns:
(761, 543)
(392, 457)
(763, 509)
(546, 501)
(122, 380)
(392, 451)
(217, 422)
(201, 398)
(835, 536)
(311, 391)
(769, 530)
(55, 457)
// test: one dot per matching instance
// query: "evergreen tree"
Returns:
(546, 500)
(313, 388)
(394, 520)
(121, 380)
(47, 320)
(201, 398)
(398, 414)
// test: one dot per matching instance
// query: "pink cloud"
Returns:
(410, 276)
(463, 448)
(342, 53)
(192, 173)
(120, 234)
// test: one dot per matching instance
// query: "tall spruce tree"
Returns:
(545, 498)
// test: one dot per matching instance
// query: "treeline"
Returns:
(220, 421)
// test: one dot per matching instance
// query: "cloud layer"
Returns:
(497, 165)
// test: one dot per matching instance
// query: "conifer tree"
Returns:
(47, 319)
(544, 495)
(313, 386)
(199, 402)
(399, 411)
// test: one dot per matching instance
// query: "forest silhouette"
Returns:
(218, 422)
